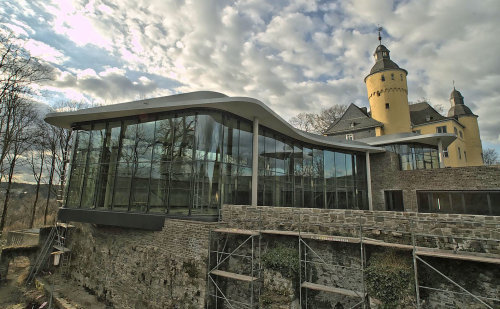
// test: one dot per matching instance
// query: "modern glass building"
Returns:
(185, 156)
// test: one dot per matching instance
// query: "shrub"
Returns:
(390, 277)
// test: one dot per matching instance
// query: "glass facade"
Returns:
(460, 202)
(415, 156)
(192, 162)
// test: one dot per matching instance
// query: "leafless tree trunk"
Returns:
(36, 162)
(22, 119)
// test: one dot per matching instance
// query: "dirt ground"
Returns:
(15, 295)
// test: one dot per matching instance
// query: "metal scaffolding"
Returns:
(217, 272)
(406, 236)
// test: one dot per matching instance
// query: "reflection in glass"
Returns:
(190, 163)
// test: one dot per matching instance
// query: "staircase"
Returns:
(54, 245)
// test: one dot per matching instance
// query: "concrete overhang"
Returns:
(244, 107)
(402, 138)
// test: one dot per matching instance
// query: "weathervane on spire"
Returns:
(379, 36)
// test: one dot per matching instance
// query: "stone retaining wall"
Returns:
(143, 269)
(472, 233)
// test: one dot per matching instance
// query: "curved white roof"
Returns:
(244, 107)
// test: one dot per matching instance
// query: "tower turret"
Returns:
(471, 137)
(388, 94)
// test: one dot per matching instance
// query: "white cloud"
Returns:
(294, 55)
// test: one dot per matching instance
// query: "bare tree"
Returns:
(318, 122)
(18, 69)
(20, 138)
(36, 161)
(490, 156)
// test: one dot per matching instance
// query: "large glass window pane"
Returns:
(108, 169)
(140, 187)
(208, 137)
(164, 133)
(159, 188)
(82, 146)
(349, 170)
(495, 203)
(231, 136)
(476, 203)
(75, 186)
(308, 177)
(122, 185)
(183, 142)
(340, 169)
(329, 170)
(180, 188)
(298, 176)
(318, 178)
(245, 144)
(144, 141)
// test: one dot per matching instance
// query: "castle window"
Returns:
(455, 130)
(349, 137)
(392, 76)
(441, 129)
(459, 154)
(461, 135)
(386, 105)
(401, 77)
(445, 152)
(378, 93)
(383, 78)
(465, 155)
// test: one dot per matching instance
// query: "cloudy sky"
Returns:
(296, 56)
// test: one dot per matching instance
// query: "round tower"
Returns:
(388, 94)
(472, 140)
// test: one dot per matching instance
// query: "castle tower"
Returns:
(388, 94)
(472, 140)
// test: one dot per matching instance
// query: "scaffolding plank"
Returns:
(370, 241)
(230, 275)
(236, 231)
(61, 248)
(325, 288)
(449, 254)
(353, 240)
(279, 232)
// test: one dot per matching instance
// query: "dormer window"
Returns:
(353, 124)
(427, 118)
